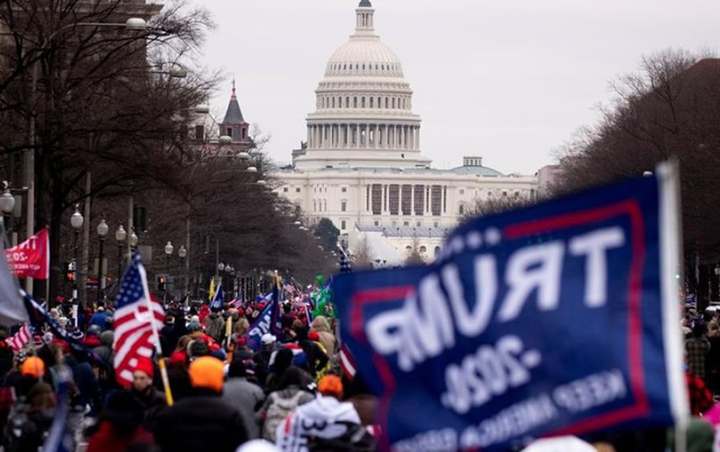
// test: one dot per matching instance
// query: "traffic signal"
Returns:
(69, 270)
(161, 283)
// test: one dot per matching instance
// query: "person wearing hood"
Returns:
(325, 423)
(321, 325)
(104, 351)
(203, 420)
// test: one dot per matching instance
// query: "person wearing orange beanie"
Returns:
(327, 420)
(207, 372)
(331, 385)
(33, 367)
(201, 421)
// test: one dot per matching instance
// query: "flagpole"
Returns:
(158, 348)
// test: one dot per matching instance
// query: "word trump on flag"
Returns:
(559, 318)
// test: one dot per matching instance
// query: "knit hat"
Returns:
(208, 373)
(33, 366)
(146, 366)
(268, 339)
(331, 385)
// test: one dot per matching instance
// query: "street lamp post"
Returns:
(120, 237)
(219, 273)
(7, 206)
(182, 254)
(102, 232)
(169, 248)
(133, 240)
(76, 221)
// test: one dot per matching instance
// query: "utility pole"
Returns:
(84, 266)
(187, 250)
(29, 167)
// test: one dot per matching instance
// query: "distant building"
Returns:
(548, 176)
(362, 165)
(232, 135)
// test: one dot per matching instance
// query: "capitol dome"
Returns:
(363, 115)
(364, 55)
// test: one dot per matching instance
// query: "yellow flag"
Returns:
(211, 291)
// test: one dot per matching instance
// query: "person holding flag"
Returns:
(137, 320)
(214, 323)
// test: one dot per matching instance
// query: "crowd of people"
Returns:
(229, 392)
(287, 392)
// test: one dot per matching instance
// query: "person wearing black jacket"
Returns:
(201, 421)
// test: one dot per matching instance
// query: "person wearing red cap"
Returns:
(150, 399)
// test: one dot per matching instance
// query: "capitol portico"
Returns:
(362, 167)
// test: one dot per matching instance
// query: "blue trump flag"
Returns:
(219, 298)
(560, 318)
(264, 323)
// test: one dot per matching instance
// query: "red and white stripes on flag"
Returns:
(347, 362)
(20, 339)
(136, 321)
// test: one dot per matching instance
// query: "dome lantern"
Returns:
(365, 15)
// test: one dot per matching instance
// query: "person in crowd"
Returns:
(291, 393)
(262, 357)
(180, 354)
(202, 421)
(147, 396)
(242, 394)
(120, 426)
(278, 363)
(101, 318)
(104, 351)
(30, 422)
(321, 326)
(316, 358)
(7, 392)
(324, 424)
(168, 336)
(215, 325)
(701, 399)
(697, 348)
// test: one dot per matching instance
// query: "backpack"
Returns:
(280, 408)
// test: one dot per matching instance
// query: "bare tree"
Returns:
(670, 109)
(492, 206)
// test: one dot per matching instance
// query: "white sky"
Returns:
(508, 80)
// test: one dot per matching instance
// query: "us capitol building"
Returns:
(362, 165)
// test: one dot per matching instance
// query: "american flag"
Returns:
(19, 339)
(345, 266)
(135, 326)
(347, 362)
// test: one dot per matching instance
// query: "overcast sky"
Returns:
(508, 80)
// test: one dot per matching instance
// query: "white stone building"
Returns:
(362, 166)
